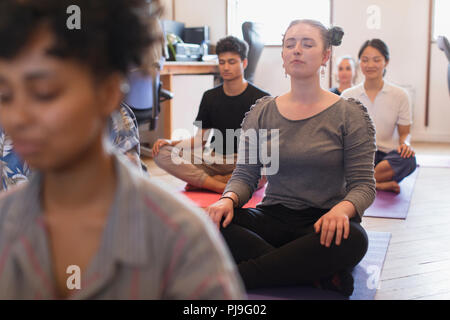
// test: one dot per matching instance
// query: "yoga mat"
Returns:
(366, 275)
(433, 161)
(204, 198)
(391, 205)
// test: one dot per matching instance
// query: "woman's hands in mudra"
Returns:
(335, 223)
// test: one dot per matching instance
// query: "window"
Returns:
(441, 21)
(274, 16)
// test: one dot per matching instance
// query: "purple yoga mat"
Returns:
(366, 275)
(391, 205)
(433, 161)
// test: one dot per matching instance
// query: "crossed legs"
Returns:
(384, 175)
(391, 168)
(197, 173)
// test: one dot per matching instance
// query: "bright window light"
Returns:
(441, 19)
(274, 16)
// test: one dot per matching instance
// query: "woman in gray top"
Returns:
(306, 230)
(88, 225)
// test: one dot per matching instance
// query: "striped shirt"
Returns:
(155, 245)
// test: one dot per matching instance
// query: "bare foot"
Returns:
(210, 184)
(391, 186)
(190, 187)
(213, 184)
(262, 182)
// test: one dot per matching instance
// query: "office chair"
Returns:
(444, 45)
(256, 46)
(144, 98)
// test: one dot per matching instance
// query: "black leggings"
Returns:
(277, 246)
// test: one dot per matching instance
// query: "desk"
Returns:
(180, 68)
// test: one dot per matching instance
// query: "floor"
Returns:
(417, 263)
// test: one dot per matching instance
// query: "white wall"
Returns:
(404, 25)
(439, 119)
(187, 102)
(196, 13)
(269, 74)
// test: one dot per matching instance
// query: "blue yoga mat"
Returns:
(366, 275)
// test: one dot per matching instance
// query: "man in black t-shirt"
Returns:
(221, 108)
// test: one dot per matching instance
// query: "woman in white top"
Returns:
(390, 109)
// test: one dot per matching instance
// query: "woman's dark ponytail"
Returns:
(335, 35)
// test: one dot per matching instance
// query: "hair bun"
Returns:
(336, 34)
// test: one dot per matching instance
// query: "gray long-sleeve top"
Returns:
(321, 160)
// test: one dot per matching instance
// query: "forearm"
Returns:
(346, 207)
(233, 197)
(175, 142)
(243, 182)
(404, 139)
(358, 164)
(404, 133)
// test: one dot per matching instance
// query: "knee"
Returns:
(357, 241)
(408, 166)
(382, 169)
(412, 163)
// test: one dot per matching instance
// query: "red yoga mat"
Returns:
(205, 198)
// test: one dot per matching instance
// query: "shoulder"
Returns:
(214, 91)
(10, 201)
(356, 115)
(347, 107)
(126, 110)
(257, 110)
(262, 104)
(352, 105)
(353, 92)
(123, 119)
(211, 96)
(396, 91)
(257, 91)
(335, 90)
(14, 169)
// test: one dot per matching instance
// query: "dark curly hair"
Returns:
(232, 44)
(115, 35)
